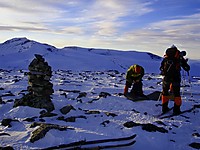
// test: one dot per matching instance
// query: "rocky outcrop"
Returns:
(43, 129)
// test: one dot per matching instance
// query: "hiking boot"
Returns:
(165, 107)
(176, 110)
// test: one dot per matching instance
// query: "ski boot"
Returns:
(176, 110)
(165, 107)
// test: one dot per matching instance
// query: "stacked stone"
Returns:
(40, 88)
(39, 78)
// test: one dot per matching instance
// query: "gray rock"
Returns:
(67, 109)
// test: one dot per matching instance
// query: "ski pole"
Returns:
(159, 96)
(183, 78)
(183, 81)
(190, 84)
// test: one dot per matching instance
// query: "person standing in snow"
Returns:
(134, 77)
(170, 69)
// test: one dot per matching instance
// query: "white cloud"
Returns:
(57, 14)
(105, 18)
(71, 30)
(183, 31)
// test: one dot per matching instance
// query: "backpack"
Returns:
(171, 63)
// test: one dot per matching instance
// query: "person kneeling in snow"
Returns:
(134, 77)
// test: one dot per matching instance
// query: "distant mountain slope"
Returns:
(19, 52)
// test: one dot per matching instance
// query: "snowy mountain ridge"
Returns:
(18, 52)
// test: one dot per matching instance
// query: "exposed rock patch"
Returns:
(147, 127)
(43, 129)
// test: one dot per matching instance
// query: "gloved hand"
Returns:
(125, 90)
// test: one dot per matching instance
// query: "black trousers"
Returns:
(137, 89)
(175, 81)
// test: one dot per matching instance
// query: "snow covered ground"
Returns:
(92, 81)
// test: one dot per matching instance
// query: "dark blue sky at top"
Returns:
(164, 10)
(113, 24)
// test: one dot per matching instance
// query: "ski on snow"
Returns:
(77, 145)
(104, 147)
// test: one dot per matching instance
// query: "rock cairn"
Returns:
(40, 88)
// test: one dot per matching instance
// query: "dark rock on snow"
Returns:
(43, 129)
(147, 127)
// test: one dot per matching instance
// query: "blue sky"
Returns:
(143, 25)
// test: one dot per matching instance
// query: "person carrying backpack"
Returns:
(134, 77)
(170, 69)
